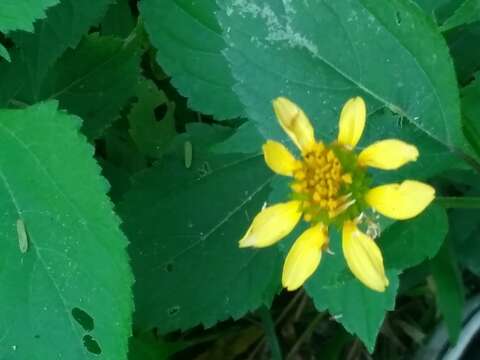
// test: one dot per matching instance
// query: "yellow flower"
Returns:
(331, 187)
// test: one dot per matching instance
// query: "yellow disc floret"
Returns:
(326, 185)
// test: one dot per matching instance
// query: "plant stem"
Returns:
(270, 334)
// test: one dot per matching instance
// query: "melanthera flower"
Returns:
(331, 187)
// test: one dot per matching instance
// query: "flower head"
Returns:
(331, 187)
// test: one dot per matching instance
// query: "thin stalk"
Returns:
(270, 334)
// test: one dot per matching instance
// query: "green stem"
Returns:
(269, 328)
(466, 202)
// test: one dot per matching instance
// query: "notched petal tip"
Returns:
(401, 201)
(388, 154)
(304, 257)
(294, 122)
(363, 257)
(352, 122)
(271, 225)
(278, 158)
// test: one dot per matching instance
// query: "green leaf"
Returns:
(360, 310)
(60, 285)
(194, 249)
(320, 54)
(246, 139)
(189, 43)
(152, 135)
(118, 20)
(471, 111)
(95, 80)
(466, 55)
(4, 53)
(434, 157)
(36, 53)
(449, 289)
(120, 149)
(408, 243)
(439, 10)
(465, 226)
(20, 14)
(467, 13)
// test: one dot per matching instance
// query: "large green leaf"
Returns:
(36, 53)
(408, 243)
(4, 53)
(467, 13)
(434, 156)
(471, 111)
(20, 14)
(151, 134)
(64, 273)
(466, 55)
(439, 10)
(95, 79)
(189, 43)
(246, 139)
(360, 310)
(118, 20)
(187, 263)
(319, 54)
(465, 229)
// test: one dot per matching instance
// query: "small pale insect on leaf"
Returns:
(22, 236)
(187, 146)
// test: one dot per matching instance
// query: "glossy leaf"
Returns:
(465, 54)
(465, 227)
(60, 285)
(471, 111)
(189, 43)
(21, 14)
(4, 53)
(468, 12)
(320, 54)
(408, 243)
(195, 250)
(151, 133)
(95, 80)
(119, 20)
(36, 53)
(360, 310)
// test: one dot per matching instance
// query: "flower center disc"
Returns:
(323, 185)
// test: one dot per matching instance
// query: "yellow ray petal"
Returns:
(304, 257)
(388, 154)
(278, 158)
(272, 224)
(363, 257)
(294, 122)
(401, 201)
(352, 122)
